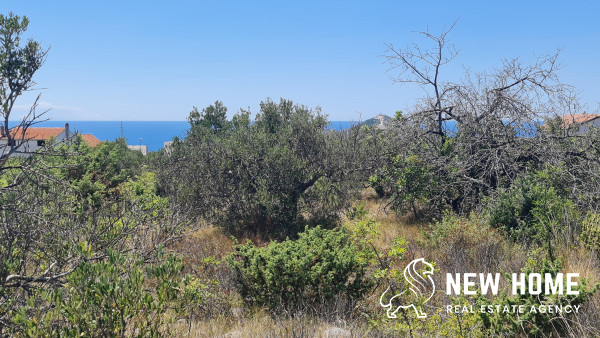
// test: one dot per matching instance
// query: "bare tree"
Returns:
(478, 133)
(422, 66)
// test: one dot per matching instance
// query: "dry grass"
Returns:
(480, 248)
(390, 225)
(587, 264)
(198, 245)
(263, 325)
(583, 261)
(210, 241)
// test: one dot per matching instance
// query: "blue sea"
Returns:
(151, 133)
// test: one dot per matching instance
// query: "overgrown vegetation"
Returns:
(320, 267)
(272, 218)
(270, 176)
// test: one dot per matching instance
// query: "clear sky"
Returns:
(151, 60)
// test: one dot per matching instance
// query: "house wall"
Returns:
(141, 148)
(27, 147)
(585, 127)
(23, 150)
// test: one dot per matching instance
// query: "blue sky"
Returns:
(150, 60)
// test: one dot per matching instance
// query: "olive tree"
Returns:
(272, 175)
(247, 176)
(19, 61)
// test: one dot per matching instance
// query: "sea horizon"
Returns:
(151, 133)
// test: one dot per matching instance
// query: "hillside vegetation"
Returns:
(268, 224)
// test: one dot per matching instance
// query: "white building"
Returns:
(141, 148)
(31, 139)
(168, 146)
(581, 123)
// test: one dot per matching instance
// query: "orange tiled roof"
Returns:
(90, 139)
(46, 134)
(34, 133)
(571, 119)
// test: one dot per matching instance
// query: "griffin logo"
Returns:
(420, 289)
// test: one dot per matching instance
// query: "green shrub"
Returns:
(118, 296)
(465, 243)
(590, 232)
(306, 274)
(271, 176)
(95, 198)
(536, 323)
(407, 182)
(535, 210)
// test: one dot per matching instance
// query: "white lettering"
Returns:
(571, 284)
(520, 283)
(468, 282)
(535, 287)
(452, 284)
(553, 287)
(489, 283)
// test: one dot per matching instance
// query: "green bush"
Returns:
(590, 232)
(408, 182)
(465, 243)
(119, 296)
(98, 198)
(97, 170)
(537, 324)
(307, 274)
(271, 176)
(535, 210)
